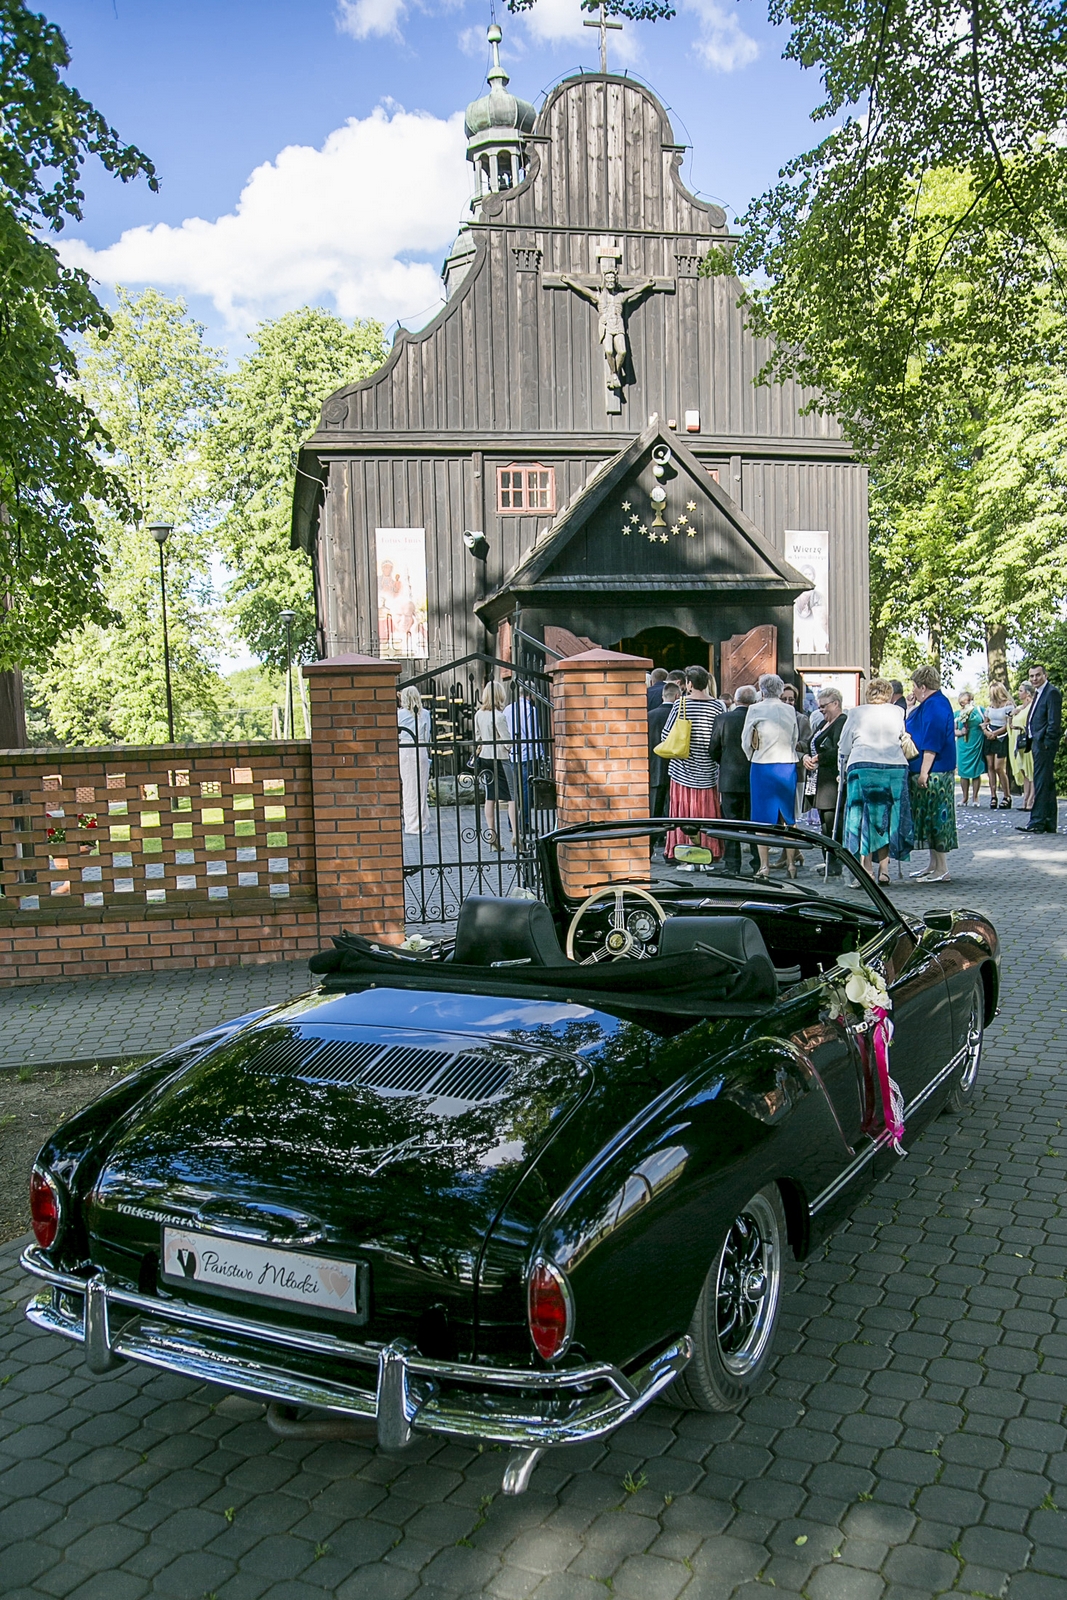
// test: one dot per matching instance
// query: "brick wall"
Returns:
(355, 781)
(130, 859)
(600, 733)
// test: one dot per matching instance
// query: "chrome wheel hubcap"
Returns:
(973, 1046)
(747, 1286)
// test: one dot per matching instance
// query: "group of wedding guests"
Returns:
(1016, 741)
(990, 743)
(881, 776)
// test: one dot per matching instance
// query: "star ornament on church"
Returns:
(663, 538)
(690, 505)
(626, 506)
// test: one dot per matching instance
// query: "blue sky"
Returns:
(360, 100)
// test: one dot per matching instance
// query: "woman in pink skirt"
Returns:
(695, 781)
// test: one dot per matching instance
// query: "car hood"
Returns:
(328, 1128)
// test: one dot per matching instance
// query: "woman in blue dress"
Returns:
(933, 774)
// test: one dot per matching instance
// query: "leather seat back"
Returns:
(739, 942)
(492, 929)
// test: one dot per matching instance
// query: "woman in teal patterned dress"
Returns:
(970, 743)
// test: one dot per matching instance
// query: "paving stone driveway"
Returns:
(911, 1443)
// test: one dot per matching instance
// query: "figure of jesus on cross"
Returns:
(610, 299)
(610, 293)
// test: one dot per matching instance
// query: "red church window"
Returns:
(526, 488)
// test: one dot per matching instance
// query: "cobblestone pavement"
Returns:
(911, 1442)
(112, 1019)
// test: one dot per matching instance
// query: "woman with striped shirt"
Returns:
(694, 781)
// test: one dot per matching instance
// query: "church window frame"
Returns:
(525, 488)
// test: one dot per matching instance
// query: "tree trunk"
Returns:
(12, 711)
(996, 652)
(935, 644)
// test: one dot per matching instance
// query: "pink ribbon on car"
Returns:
(892, 1099)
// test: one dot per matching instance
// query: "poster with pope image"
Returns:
(401, 564)
(810, 554)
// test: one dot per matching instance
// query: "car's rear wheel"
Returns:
(965, 1083)
(736, 1317)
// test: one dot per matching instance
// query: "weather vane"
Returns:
(603, 24)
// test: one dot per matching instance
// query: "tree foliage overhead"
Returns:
(912, 255)
(272, 404)
(50, 460)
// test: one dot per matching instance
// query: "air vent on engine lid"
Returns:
(395, 1069)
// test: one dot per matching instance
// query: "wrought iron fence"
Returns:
(477, 780)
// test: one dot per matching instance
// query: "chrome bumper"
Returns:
(404, 1392)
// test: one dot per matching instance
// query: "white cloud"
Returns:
(722, 43)
(362, 18)
(314, 226)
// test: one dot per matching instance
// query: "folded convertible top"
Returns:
(696, 983)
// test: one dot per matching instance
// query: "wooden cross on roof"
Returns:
(603, 24)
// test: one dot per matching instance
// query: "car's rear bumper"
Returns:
(404, 1392)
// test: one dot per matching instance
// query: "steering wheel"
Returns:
(620, 942)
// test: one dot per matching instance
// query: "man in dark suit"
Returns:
(1044, 727)
(726, 749)
(654, 692)
(659, 778)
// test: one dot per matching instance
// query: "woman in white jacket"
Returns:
(769, 740)
(875, 771)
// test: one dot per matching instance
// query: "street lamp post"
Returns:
(160, 532)
(289, 617)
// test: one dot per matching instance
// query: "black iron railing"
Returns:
(477, 794)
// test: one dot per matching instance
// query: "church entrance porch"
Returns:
(669, 648)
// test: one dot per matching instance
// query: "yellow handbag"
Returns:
(675, 746)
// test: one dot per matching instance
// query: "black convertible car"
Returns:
(515, 1187)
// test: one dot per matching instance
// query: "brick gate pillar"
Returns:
(600, 741)
(355, 781)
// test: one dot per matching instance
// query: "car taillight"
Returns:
(548, 1310)
(44, 1208)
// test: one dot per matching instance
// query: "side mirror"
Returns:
(938, 921)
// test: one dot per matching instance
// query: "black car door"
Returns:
(922, 1022)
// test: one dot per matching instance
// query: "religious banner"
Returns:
(810, 554)
(401, 559)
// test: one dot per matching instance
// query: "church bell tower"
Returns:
(496, 127)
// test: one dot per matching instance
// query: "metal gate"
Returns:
(473, 809)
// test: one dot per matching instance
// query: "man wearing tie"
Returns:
(1044, 726)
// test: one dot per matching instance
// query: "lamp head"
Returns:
(287, 616)
(476, 543)
(161, 531)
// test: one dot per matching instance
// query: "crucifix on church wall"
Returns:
(611, 294)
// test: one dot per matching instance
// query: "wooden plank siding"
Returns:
(512, 370)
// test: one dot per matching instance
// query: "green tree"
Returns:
(909, 259)
(156, 389)
(272, 404)
(51, 462)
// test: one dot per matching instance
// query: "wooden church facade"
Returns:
(577, 433)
